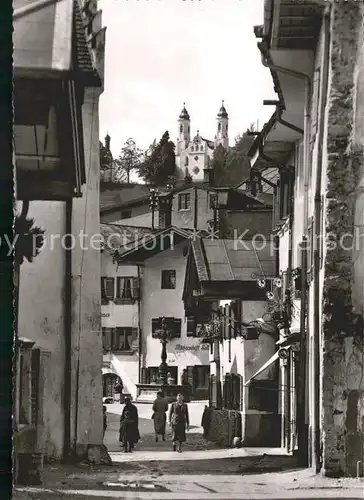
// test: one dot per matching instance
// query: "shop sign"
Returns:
(201, 347)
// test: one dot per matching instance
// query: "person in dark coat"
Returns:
(104, 418)
(160, 407)
(179, 421)
(129, 426)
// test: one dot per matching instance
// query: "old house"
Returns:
(314, 142)
(58, 78)
(222, 296)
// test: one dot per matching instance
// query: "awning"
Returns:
(43, 35)
(266, 365)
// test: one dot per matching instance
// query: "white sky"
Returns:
(161, 53)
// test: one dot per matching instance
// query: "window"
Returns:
(186, 161)
(119, 339)
(127, 289)
(191, 149)
(196, 158)
(213, 201)
(219, 127)
(181, 129)
(125, 214)
(184, 201)
(107, 288)
(168, 279)
(173, 327)
(201, 148)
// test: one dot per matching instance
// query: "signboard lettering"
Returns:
(201, 347)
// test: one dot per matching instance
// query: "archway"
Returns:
(109, 381)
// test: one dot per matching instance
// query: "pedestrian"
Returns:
(119, 386)
(160, 408)
(179, 421)
(206, 421)
(129, 426)
(104, 418)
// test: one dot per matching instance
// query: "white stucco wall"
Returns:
(157, 302)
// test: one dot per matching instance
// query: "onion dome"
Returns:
(222, 111)
(184, 113)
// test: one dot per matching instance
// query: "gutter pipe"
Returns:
(318, 230)
(68, 336)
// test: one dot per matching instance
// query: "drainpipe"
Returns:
(318, 234)
(68, 336)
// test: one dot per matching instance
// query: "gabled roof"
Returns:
(154, 243)
(118, 237)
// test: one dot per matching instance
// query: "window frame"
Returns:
(184, 201)
(104, 296)
(134, 290)
(163, 279)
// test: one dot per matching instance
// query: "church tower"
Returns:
(184, 134)
(222, 134)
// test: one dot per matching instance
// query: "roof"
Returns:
(184, 114)
(83, 55)
(117, 236)
(149, 244)
(222, 112)
(232, 260)
(120, 195)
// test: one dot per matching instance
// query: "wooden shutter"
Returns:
(35, 373)
(156, 324)
(190, 370)
(176, 328)
(136, 289)
(106, 338)
(144, 374)
(191, 326)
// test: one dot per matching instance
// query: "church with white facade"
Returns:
(194, 156)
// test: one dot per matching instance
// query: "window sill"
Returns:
(124, 301)
(119, 351)
(184, 209)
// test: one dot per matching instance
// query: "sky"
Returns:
(162, 53)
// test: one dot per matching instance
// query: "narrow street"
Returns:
(203, 470)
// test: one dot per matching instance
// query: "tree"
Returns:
(29, 239)
(159, 165)
(231, 167)
(129, 160)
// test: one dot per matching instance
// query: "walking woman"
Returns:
(179, 421)
(160, 408)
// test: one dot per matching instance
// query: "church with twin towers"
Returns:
(193, 156)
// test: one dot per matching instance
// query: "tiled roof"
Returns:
(230, 260)
(83, 55)
(119, 237)
(123, 195)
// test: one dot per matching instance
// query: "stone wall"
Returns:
(224, 426)
(342, 361)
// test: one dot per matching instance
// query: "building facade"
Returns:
(314, 141)
(58, 410)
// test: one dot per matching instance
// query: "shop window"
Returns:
(168, 279)
(263, 395)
